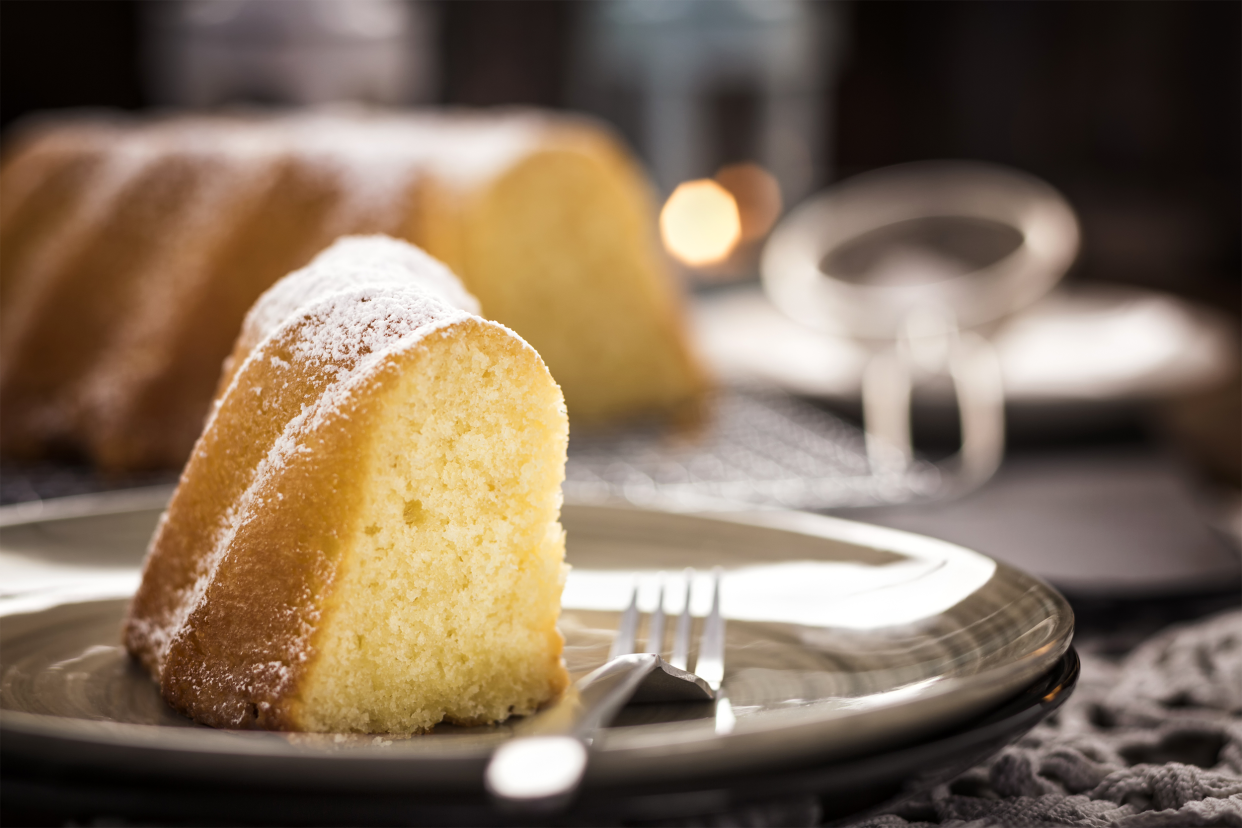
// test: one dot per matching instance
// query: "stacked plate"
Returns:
(863, 664)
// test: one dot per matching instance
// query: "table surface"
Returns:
(1127, 521)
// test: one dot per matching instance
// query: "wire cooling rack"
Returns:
(32, 482)
(753, 449)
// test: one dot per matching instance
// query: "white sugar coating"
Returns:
(374, 156)
(353, 261)
(377, 157)
(467, 146)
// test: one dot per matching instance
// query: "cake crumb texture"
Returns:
(453, 585)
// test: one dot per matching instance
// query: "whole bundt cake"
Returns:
(366, 536)
(131, 249)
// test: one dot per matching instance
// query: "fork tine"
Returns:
(627, 630)
(681, 639)
(710, 666)
(655, 628)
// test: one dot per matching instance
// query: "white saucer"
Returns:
(1076, 347)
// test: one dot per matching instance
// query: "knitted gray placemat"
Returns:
(1151, 739)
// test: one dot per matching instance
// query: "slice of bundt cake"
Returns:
(131, 249)
(366, 536)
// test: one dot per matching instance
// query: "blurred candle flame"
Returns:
(700, 223)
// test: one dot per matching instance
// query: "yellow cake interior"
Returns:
(448, 589)
(558, 248)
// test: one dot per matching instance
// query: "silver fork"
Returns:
(541, 769)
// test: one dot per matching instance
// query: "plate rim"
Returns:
(832, 529)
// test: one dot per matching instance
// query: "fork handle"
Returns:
(541, 769)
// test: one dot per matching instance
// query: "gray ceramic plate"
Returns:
(843, 639)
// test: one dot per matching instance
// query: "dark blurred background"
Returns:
(1133, 110)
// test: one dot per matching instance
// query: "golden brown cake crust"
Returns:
(236, 658)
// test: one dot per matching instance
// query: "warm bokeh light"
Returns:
(700, 223)
(758, 197)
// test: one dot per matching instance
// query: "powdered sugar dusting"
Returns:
(378, 151)
(353, 262)
(374, 157)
